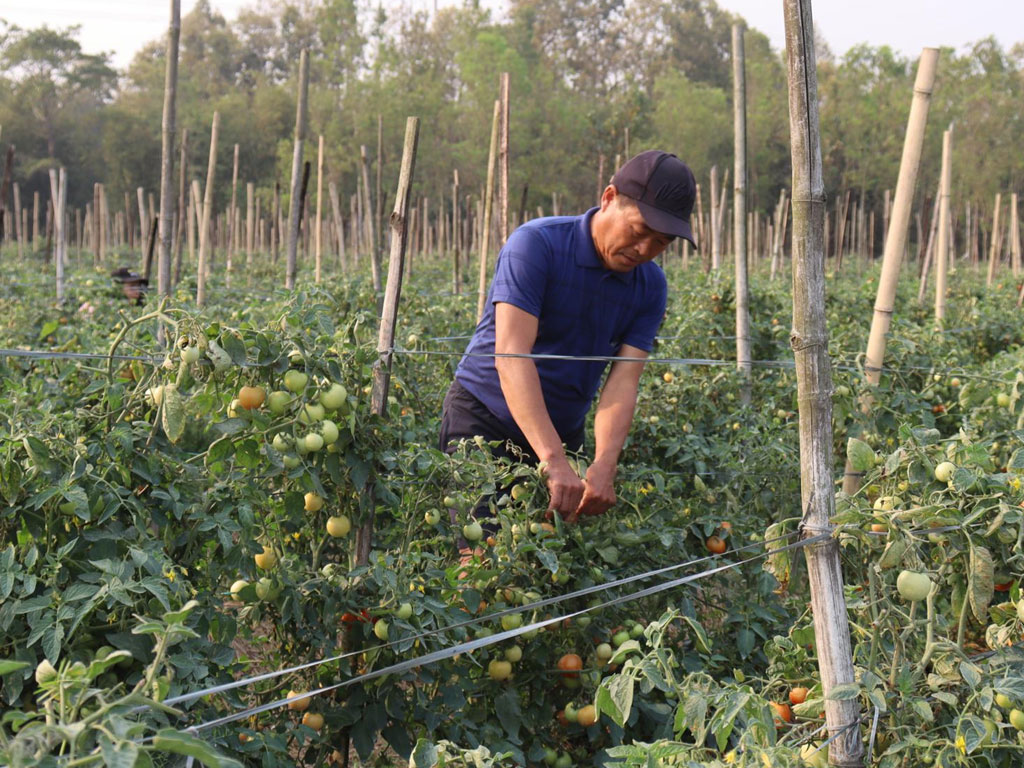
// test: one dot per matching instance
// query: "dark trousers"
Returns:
(465, 417)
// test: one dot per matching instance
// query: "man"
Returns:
(576, 286)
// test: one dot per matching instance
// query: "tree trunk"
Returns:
(814, 387)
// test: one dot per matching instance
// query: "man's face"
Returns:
(628, 242)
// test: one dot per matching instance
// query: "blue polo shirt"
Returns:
(549, 268)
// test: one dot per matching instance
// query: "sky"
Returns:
(124, 26)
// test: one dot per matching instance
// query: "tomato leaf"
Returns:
(424, 755)
(178, 743)
(506, 707)
(173, 413)
(7, 666)
(615, 697)
(981, 579)
(844, 692)
(860, 455)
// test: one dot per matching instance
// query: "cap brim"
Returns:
(666, 223)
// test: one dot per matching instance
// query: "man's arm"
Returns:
(515, 332)
(611, 426)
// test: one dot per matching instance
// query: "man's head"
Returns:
(646, 206)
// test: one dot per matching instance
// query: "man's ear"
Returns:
(608, 196)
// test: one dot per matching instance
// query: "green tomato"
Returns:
(604, 651)
(564, 761)
(619, 638)
(550, 756)
(636, 630)
(190, 354)
(334, 397)
(237, 587)
(570, 712)
(944, 471)
(513, 654)
(290, 461)
(380, 629)
(329, 431)
(404, 611)
(295, 381)
(311, 413)
(1017, 719)
(278, 401)
(313, 442)
(913, 586)
(473, 531)
(511, 621)
(1004, 701)
(432, 516)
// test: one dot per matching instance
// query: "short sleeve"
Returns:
(645, 325)
(521, 275)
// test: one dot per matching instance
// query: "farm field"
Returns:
(182, 516)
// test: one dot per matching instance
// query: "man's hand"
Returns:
(565, 487)
(599, 494)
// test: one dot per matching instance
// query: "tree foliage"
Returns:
(581, 75)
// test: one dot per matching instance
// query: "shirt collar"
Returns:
(586, 254)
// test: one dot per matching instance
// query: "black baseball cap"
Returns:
(664, 189)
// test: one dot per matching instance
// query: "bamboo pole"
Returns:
(166, 217)
(295, 204)
(179, 235)
(204, 227)
(339, 226)
(232, 219)
(456, 231)
(503, 163)
(942, 248)
(58, 185)
(375, 255)
(896, 235)
(318, 234)
(389, 315)
(18, 228)
(777, 234)
(250, 225)
(379, 198)
(716, 247)
(1015, 254)
(739, 100)
(193, 219)
(486, 218)
(814, 388)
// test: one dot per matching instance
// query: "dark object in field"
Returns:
(133, 285)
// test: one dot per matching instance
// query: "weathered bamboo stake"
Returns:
(1015, 254)
(204, 228)
(779, 234)
(275, 224)
(294, 205)
(250, 225)
(994, 241)
(194, 216)
(503, 158)
(814, 389)
(318, 247)
(354, 218)
(930, 246)
(140, 195)
(57, 191)
(104, 222)
(182, 213)
(389, 314)
(943, 247)
(722, 211)
(739, 100)
(379, 198)
(35, 220)
(167, 218)
(4, 184)
(486, 217)
(232, 219)
(896, 236)
(375, 255)
(456, 231)
(19, 230)
(339, 226)
(841, 228)
(716, 247)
